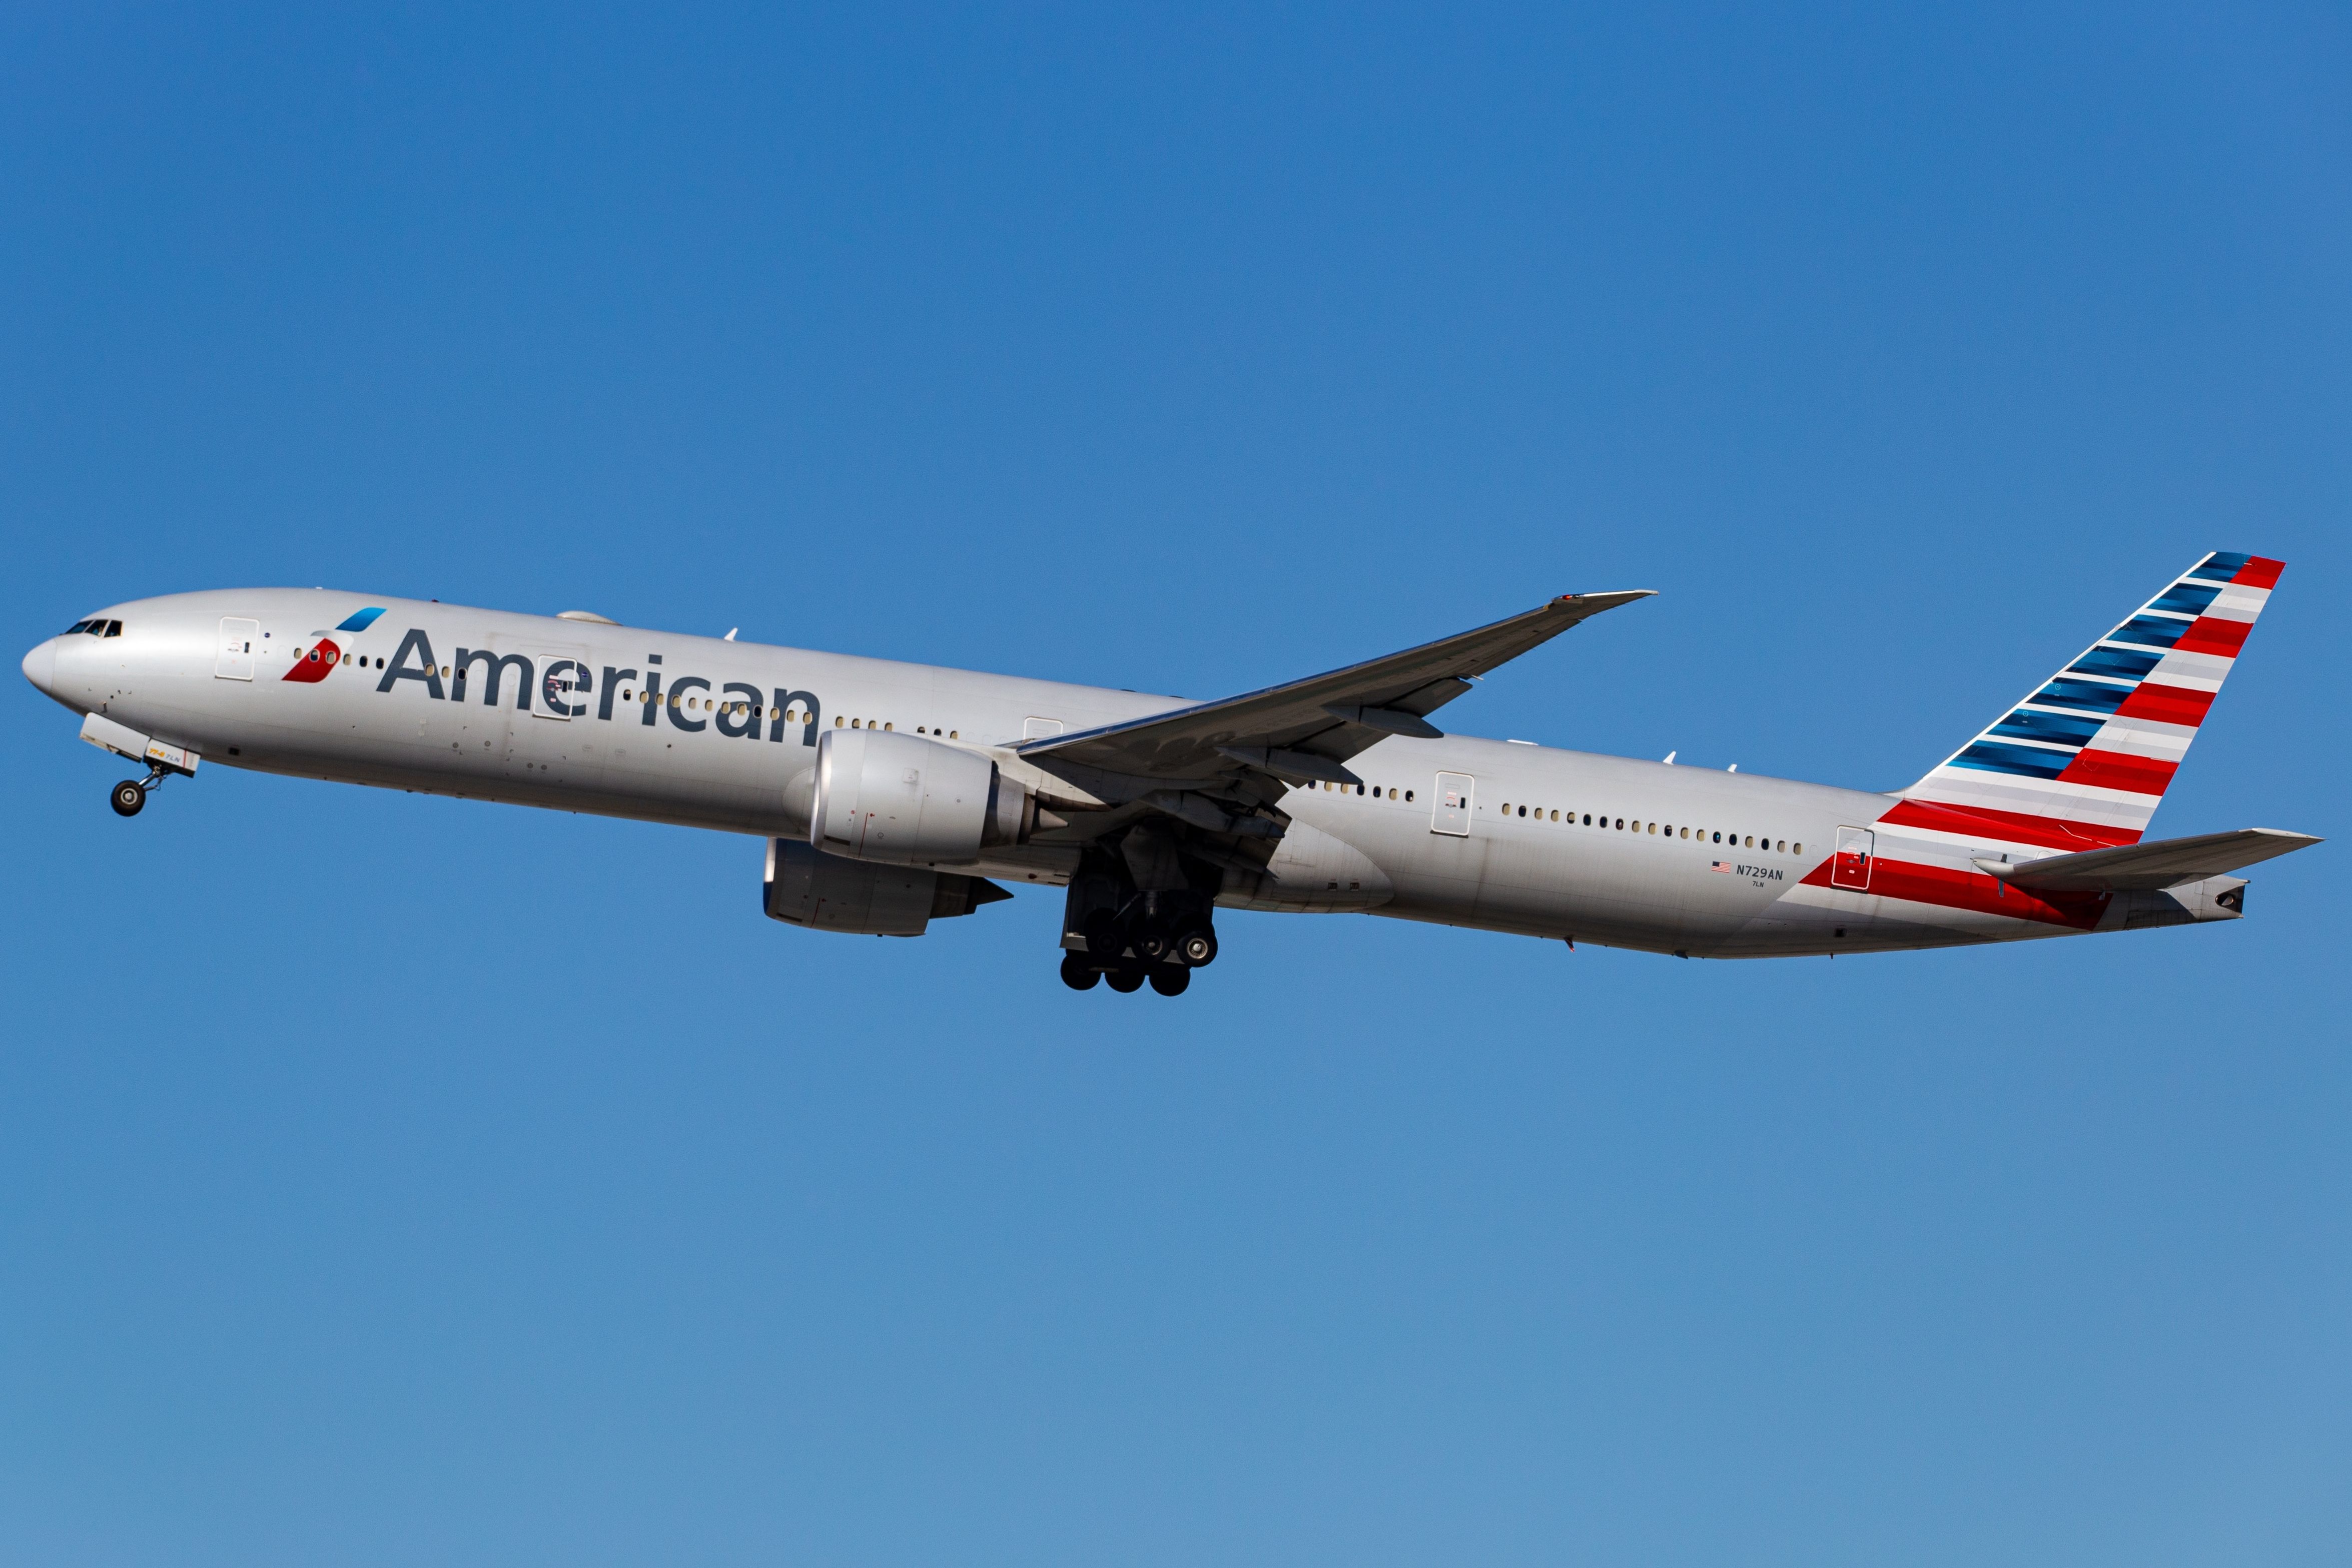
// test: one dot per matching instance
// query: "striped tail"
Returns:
(2081, 762)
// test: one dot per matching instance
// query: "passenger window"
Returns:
(1654, 829)
(1797, 850)
(1751, 841)
(1555, 816)
(1523, 811)
(1718, 839)
(1408, 795)
(1784, 847)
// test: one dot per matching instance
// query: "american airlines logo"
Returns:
(567, 686)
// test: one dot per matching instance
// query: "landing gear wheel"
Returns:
(1126, 979)
(128, 797)
(1077, 974)
(1153, 944)
(1169, 979)
(1197, 945)
(1102, 935)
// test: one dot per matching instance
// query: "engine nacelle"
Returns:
(808, 887)
(904, 800)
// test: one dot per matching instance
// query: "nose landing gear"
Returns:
(130, 795)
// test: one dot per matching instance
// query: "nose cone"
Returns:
(41, 668)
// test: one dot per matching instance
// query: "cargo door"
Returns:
(1450, 805)
(1849, 867)
(235, 659)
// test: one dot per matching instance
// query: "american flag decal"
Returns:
(1719, 866)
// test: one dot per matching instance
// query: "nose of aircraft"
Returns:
(41, 666)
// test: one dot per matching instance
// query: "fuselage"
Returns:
(588, 716)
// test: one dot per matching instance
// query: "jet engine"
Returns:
(904, 800)
(808, 887)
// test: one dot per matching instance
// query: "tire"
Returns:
(1153, 944)
(128, 797)
(1197, 945)
(1169, 979)
(1126, 980)
(1077, 974)
(1102, 940)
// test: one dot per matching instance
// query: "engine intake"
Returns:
(904, 800)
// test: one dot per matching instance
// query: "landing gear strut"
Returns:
(1131, 937)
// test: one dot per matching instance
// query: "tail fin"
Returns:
(2082, 762)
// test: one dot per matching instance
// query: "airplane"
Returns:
(892, 795)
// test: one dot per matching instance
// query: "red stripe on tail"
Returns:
(1985, 823)
(2210, 633)
(2119, 770)
(2167, 704)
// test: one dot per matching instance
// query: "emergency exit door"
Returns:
(235, 659)
(1849, 867)
(1450, 804)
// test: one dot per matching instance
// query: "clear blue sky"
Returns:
(1902, 356)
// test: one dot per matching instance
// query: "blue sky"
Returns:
(1902, 354)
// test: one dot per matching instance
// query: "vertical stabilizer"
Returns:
(2081, 762)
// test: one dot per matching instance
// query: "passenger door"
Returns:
(1849, 867)
(235, 659)
(1450, 805)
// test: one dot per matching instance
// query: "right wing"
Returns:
(1307, 730)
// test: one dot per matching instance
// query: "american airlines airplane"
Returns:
(894, 795)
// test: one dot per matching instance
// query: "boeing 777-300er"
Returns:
(889, 794)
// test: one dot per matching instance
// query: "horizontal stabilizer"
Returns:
(2163, 863)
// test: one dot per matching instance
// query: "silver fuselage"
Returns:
(1704, 864)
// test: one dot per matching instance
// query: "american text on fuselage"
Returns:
(893, 795)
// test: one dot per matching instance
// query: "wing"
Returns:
(1309, 728)
(2165, 863)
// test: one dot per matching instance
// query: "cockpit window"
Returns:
(76, 626)
(114, 628)
(95, 628)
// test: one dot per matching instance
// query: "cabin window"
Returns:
(1751, 841)
(1784, 847)
(1799, 850)
(1408, 795)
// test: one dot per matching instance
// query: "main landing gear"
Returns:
(1140, 945)
(130, 795)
